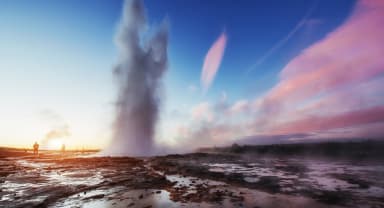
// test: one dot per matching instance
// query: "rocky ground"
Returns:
(192, 180)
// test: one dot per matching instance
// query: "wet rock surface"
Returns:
(192, 180)
(342, 183)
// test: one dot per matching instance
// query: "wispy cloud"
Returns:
(304, 21)
(212, 61)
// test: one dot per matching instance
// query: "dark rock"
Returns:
(270, 183)
(333, 197)
(363, 184)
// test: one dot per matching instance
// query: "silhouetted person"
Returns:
(36, 148)
(63, 148)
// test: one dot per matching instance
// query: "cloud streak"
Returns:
(281, 42)
(212, 61)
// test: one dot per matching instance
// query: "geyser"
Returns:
(139, 70)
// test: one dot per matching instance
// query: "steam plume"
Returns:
(139, 71)
(55, 133)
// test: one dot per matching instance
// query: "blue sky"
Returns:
(58, 56)
(253, 27)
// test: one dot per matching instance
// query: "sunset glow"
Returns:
(55, 144)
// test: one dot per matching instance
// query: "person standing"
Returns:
(36, 148)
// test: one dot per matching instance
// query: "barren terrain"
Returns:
(192, 180)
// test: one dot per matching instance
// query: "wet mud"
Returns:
(192, 180)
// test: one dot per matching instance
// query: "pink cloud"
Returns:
(350, 54)
(327, 122)
(202, 112)
(239, 107)
(212, 61)
(359, 96)
(346, 57)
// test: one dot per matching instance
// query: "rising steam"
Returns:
(139, 70)
(55, 133)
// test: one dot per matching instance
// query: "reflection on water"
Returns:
(363, 180)
(121, 197)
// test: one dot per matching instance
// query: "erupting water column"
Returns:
(140, 68)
